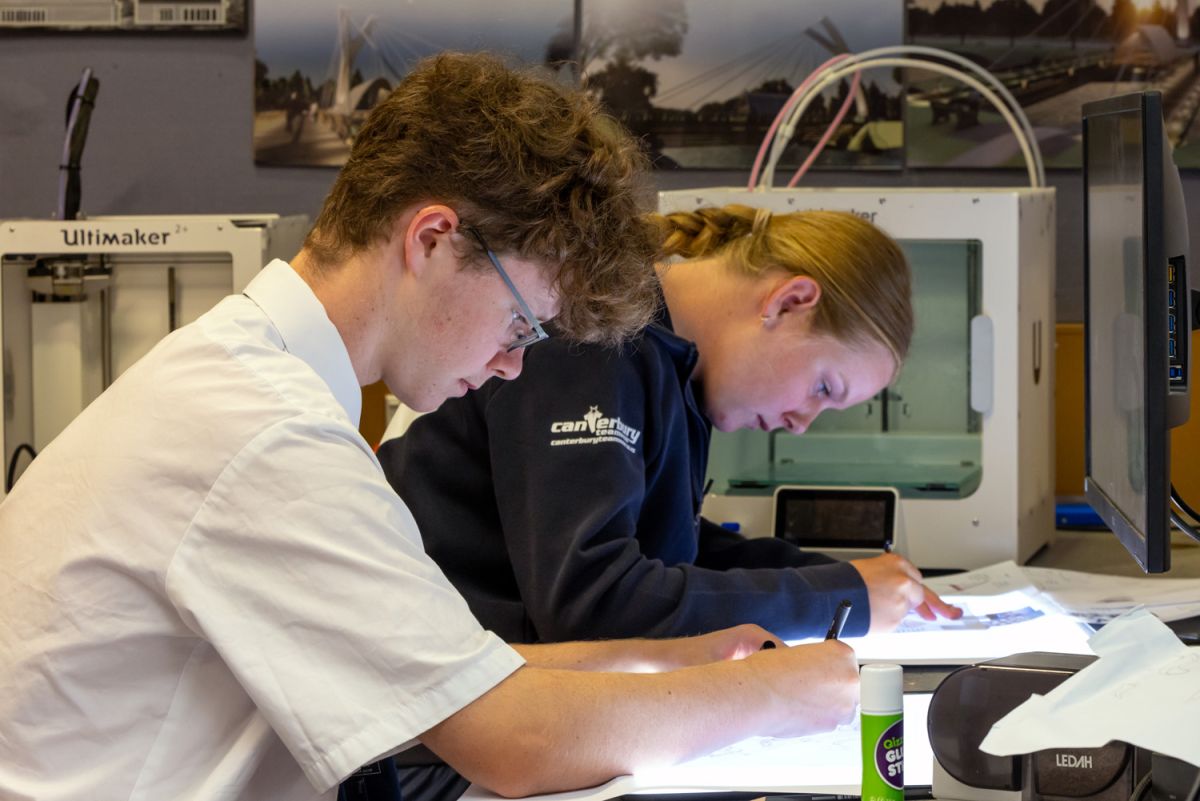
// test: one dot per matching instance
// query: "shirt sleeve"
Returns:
(305, 572)
(722, 549)
(570, 502)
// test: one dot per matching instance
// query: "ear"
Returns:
(427, 234)
(798, 294)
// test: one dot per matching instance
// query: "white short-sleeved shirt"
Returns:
(207, 587)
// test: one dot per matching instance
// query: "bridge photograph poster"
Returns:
(698, 81)
(1054, 56)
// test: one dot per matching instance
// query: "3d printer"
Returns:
(81, 300)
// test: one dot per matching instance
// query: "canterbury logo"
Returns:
(597, 429)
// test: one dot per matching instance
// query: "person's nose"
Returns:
(507, 364)
(797, 422)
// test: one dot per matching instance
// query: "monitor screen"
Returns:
(1136, 319)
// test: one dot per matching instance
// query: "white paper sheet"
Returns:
(994, 579)
(1092, 598)
(822, 763)
(1144, 689)
(992, 626)
(1097, 599)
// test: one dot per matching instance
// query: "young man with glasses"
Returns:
(209, 590)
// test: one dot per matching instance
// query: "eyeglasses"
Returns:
(522, 340)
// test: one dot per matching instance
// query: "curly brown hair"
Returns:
(532, 165)
(865, 279)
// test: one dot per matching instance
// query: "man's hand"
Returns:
(818, 683)
(894, 589)
(737, 642)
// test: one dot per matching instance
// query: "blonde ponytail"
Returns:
(864, 277)
(704, 232)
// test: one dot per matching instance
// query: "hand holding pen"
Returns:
(838, 623)
(839, 620)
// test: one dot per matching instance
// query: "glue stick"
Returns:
(882, 700)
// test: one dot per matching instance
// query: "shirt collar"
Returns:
(307, 331)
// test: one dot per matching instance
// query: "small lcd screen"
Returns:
(812, 519)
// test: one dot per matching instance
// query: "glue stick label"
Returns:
(883, 757)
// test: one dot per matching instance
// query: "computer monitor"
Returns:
(1137, 320)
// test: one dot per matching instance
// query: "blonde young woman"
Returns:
(566, 505)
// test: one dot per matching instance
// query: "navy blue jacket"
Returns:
(565, 505)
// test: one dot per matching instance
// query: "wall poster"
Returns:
(698, 81)
(1053, 55)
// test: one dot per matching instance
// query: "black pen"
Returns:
(839, 620)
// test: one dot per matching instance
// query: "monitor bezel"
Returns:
(1148, 548)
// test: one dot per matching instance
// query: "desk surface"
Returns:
(1101, 552)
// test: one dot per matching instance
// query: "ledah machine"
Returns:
(965, 435)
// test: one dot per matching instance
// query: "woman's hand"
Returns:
(894, 589)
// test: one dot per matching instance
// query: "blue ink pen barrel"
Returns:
(882, 701)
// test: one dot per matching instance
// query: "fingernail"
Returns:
(767, 645)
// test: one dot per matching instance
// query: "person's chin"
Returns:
(425, 405)
(723, 423)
